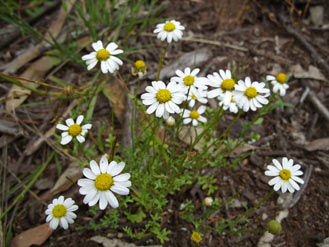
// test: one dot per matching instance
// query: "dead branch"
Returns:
(317, 102)
(313, 52)
(299, 193)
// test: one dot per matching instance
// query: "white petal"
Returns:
(112, 199)
(277, 164)
(102, 201)
(277, 186)
(104, 67)
(79, 119)
(121, 190)
(89, 56)
(61, 200)
(62, 127)
(63, 223)
(69, 122)
(72, 208)
(201, 109)
(214, 93)
(117, 169)
(68, 202)
(122, 177)
(90, 196)
(97, 45)
(103, 164)
(92, 65)
(54, 223)
(49, 218)
(86, 126)
(284, 187)
(125, 184)
(111, 167)
(297, 179)
(80, 138)
(94, 167)
(93, 201)
(274, 181)
(88, 173)
(65, 140)
(187, 120)
(160, 110)
(111, 47)
(152, 108)
(294, 184)
(85, 181)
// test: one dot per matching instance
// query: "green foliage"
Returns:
(161, 165)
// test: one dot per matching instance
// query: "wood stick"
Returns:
(313, 52)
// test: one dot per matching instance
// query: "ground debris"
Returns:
(106, 242)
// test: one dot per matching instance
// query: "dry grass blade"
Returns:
(53, 31)
(38, 69)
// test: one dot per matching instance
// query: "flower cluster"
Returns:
(188, 86)
(102, 181)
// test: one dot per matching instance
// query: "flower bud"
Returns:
(274, 227)
(170, 121)
(196, 237)
(208, 201)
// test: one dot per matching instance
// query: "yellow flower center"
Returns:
(281, 78)
(193, 96)
(103, 181)
(251, 92)
(169, 27)
(227, 84)
(163, 95)
(188, 80)
(196, 237)
(285, 174)
(59, 211)
(103, 54)
(194, 115)
(140, 64)
(74, 130)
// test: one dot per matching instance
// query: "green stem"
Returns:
(163, 54)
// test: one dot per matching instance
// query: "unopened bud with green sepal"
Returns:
(274, 227)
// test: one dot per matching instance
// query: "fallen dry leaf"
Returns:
(65, 181)
(318, 144)
(187, 133)
(190, 59)
(116, 92)
(34, 236)
(312, 73)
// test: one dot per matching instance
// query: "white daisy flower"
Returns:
(194, 116)
(250, 95)
(231, 106)
(170, 30)
(106, 56)
(188, 80)
(279, 83)
(196, 95)
(60, 212)
(163, 99)
(72, 129)
(225, 85)
(101, 181)
(285, 175)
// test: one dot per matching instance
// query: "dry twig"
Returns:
(314, 54)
